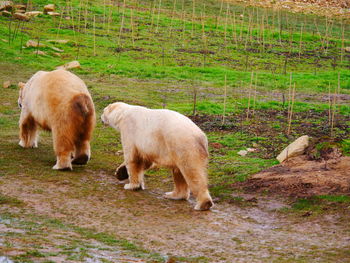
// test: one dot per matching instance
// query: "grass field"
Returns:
(177, 55)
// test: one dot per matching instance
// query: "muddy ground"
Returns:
(256, 232)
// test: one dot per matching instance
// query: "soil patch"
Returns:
(271, 126)
(302, 177)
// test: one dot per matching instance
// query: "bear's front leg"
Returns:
(28, 131)
(135, 170)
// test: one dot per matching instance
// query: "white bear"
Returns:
(162, 138)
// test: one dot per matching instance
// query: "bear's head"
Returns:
(113, 114)
(21, 86)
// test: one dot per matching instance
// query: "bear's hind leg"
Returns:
(197, 182)
(82, 153)
(181, 189)
(28, 132)
(63, 147)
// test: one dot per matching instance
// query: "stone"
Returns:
(22, 11)
(6, 5)
(33, 13)
(294, 149)
(6, 84)
(53, 14)
(21, 16)
(347, 49)
(251, 150)
(57, 49)
(49, 8)
(242, 153)
(6, 13)
(20, 7)
(34, 43)
(39, 52)
(58, 41)
(70, 65)
(216, 145)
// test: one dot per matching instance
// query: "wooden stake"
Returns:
(225, 28)
(291, 111)
(289, 94)
(249, 95)
(172, 19)
(218, 17)
(329, 103)
(255, 91)
(94, 35)
(160, 3)
(342, 41)
(225, 95)
(132, 27)
(301, 39)
(122, 23)
(193, 14)
(194, 101)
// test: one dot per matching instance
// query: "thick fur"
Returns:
(161, 138)
(58, 101)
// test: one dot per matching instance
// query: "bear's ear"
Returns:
(21, 85)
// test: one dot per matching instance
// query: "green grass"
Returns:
(7, 200)
(318, 204)
(345, 145)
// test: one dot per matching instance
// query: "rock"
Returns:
(6, 13)
(294, 149)
(21, 84)
(53, 13)
(33, 13)
(20, 7)
(242, 153)
(21, 11)
(6, 5)
(216, 145)
(49, 8)
(251, 150)
(6, 84)
(70, 65)
(21, 16)
(57, 49)
(34, 43)
(58, 41)
(39, 52)
(347, 49)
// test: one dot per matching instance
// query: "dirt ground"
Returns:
(228, 233)
(303, 177)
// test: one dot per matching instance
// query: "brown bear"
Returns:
(58, 101)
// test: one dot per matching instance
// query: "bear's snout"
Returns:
(104, 120)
